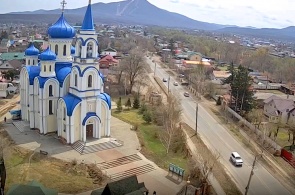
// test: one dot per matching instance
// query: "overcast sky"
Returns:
(256, 13)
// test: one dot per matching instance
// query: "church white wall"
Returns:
(47, 69)
(62, 56)
(103, 118)
(77, 125)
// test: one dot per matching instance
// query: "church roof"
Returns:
(31, 50)
(61, 29)
(47, 55)
(106, 98)
(88, 20)
(88, 115)
(62, 73)
(71, 102)
(33, 72)
(42, 81)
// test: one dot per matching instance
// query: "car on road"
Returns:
(186, 94)
(175, 83)
(236, 159)
(164, 80)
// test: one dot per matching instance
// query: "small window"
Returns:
(50, 104)
(49, 68)
(56, 49)
(65, 50)
(44, 68)
(50, 90)
(29, 62)
(90, 81)
(64, 116)
(76, 80)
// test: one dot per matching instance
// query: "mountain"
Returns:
(286, 34)
(132, 12)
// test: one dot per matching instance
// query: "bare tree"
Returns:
(203, 164)
(141, 82)
(133, 67)
(171, 118)
(256, 117)
(198, 77)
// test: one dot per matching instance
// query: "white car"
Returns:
(236, 159)
(186, 94)
(175, 83)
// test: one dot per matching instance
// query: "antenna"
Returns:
(63, 4)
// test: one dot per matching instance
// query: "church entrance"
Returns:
(89, 130)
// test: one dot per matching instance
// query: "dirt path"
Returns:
(8, 105)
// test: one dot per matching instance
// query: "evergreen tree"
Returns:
(147, 116)
(2, 175)
(128, 103)
(240, 83)
(136, 102)
(171, 46)
(119, 105)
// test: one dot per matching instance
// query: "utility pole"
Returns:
(197, 109)
(155, 69)
(169, 84)
(251, 174)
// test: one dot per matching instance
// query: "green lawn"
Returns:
(148, 135)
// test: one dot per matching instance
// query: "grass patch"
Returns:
(52, 173)
(148, 135)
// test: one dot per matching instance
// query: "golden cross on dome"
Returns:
(63, 5)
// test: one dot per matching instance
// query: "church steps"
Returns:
(134, 171)
(119, 161)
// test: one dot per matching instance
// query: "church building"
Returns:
(62, 89)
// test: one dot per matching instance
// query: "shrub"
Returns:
(136, 102)
(147, 116)
(128, 103)
(142, 108)
(119, 105)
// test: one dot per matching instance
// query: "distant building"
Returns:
(11, 65)
(109, 51)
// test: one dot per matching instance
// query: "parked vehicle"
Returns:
(186, 94)
(175, 83)
(164, 80)
(236, 159)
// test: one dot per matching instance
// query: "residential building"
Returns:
(277, 109)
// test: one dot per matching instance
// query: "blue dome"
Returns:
(47, 55)
(73, 50)
(61, 29)
(31, 50)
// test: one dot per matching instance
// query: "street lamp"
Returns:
(169, 84)
(155, 69)
(252, 173)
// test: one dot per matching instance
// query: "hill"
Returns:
(132, 12)
(285, 34)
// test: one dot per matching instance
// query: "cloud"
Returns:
(174, 1)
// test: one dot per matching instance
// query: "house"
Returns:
(105, 63)
(109, 51)
(220, 75)
(128, 185)
(277, 109)
(11, 65)
(12, 56)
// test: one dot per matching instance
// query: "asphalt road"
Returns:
(219, 140)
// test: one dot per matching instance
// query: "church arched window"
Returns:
(65, 50)
(33, 62)
(56, 49)
(90, 81)
(50, 90)
(76, 80)
(29, 63)
(44, 68)
(50, 105)
(89, 49)
(49, 68)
